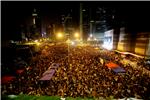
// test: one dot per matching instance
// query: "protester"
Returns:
(81, 73)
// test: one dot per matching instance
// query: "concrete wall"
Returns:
(138, 43)
(148, 48)
(142, 43)
(125, 41)
(116, 38)
(121, 40)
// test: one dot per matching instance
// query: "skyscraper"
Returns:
(67, 23)
(36, 25)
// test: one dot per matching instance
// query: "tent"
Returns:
(112, 65)
(47, 75)
(115, 68)
(119, 70)
(7, 79)
(49, 71)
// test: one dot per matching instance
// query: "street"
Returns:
(80, 73)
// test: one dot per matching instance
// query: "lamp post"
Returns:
(91, 26)
(81, 21)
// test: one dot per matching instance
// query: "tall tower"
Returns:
(67, 24)
(34, 15)
(63, 22)
(36, 25)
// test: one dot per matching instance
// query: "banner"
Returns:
(48, 75)
(119, 70)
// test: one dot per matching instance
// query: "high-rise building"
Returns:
(23, 32)
(50, 31)
(67, 23)
(35, 28)
(96, 21)
(85, 23)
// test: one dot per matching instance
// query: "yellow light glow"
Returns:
(140, 50)
(59, 35)
(72, 43)
(68, 41)
(96, 48)
(76, 35)
(37, 43)
(89, 39)
(95, 39)
(91, 35)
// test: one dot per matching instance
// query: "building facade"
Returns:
(138, 42)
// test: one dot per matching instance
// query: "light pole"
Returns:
(91, 29)
(91, 26)
(81, 21)
(68, 49)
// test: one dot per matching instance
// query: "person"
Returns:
(82, 75)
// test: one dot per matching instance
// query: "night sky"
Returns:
(15, 13)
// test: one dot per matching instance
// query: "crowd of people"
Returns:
(80, 73)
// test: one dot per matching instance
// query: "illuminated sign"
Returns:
(34, 14)
(108, 40)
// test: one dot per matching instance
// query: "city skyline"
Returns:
(75, 50)
(128, 13)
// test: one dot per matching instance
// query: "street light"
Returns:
(89, 39)
(83, 10)
(92, 21)
(59, 35)
(91, 35)
(76, 35)
(36, 41)
(72, 43)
